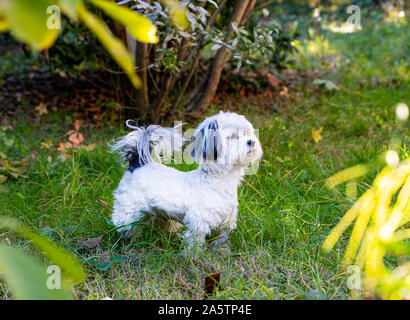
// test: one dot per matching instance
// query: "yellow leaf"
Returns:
(316, 134)
(28, 21)
(346, 175)
(2, 178)
(351, 190)
(114, 46)
(69, 7)
(177, 14)
(139, 26)
(4, 24)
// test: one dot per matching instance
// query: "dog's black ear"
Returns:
(206, 142)
(210, 142)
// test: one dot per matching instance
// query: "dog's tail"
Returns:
(147, 144)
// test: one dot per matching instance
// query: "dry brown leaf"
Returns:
(102, 202)
(168, 224)
(90, 243)
(2, 178)
(41, 109)
(46, 145)
(64, 145)
(273, 81)
(212, 283)
(90, 147)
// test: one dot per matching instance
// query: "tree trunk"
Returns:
(141, 62)
(241, 10)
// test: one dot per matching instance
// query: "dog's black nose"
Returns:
(251, 143)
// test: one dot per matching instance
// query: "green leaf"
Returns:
(139, 26)
(117, 259)
(59, 256)
(27, 277)
(28, 21)
(114, 46)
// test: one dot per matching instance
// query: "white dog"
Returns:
(204, 199)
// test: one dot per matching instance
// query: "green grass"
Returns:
(285, 210)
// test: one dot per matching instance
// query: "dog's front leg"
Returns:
(193, 241)
(221, 239)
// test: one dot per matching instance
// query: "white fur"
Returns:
(204, 199)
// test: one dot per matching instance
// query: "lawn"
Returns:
(285, 210)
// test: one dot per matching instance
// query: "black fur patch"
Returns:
(212, 126)
(134, 160)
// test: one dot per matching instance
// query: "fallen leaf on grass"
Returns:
(76, 138)
(316, 134)
(14, 168)
(2, 178)
(212, 283)
(41, 109)
(77, 124)
(90, 243)
(64, 149)
(169, 225)
(273, 81)
(64, 145)
(284, 92)
(90, 147)
(102, 202)
(46, 145)
(329, 85)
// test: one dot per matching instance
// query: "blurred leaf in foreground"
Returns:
(71, 267)
(382, 215)
(27, 277)
(27, 19)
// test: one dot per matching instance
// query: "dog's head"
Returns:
(226, 141)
